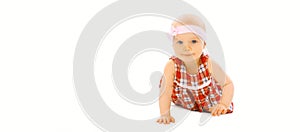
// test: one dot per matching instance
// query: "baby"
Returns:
(191, 79)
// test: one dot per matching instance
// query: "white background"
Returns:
(260, 40)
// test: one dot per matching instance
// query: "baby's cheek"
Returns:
(177, 51)
(198, 52)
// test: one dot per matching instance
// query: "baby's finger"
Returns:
(214, 111)
(168, 120)
(172, 120)
(224, 111)
(159, 121)
(165, 121)
(220, 111)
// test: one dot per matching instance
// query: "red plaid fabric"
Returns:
(197, 92)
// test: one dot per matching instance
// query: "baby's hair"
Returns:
(189, 19)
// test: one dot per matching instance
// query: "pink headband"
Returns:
(187, 29)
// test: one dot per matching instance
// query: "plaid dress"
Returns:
(197, 92)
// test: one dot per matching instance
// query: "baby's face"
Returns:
(187, 46)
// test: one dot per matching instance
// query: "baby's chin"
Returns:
(188, 58)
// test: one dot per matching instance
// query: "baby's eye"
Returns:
(179, 42)
(194, 41)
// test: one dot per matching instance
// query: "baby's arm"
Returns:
(227, 87)
(165, 94)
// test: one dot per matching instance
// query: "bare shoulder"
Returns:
(169, 68)
(214, 66)
(168, 76)
(170, 63)
(216, 71)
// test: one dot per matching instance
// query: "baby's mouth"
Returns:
(188, 54)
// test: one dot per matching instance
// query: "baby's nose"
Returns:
(187, 48)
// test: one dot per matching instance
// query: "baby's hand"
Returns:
(218, 109)
(165, 119)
